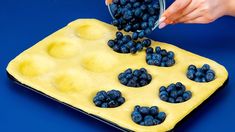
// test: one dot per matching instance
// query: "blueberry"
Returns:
(156, 121)
(101, 97)
(161, 116)
(130, 44)
(123, 2)
(192, 67)
(123, 81)
(171, 87)
(142, 123)
(133, 50)
(128, 71)
(136, 26)
(150, 62)
(190, 74)
(136, 4)
(143, 7)
(139, 47)
(98, 103)
(165, 59)
(153, 110)
(157, 62)
(119, 35)
(163, 93)
(126, 39)
(146, 42)
(115, 22)
(116, 48)
(179, 100)
(151, 11)
(149, 77)
(144, 25)
(170, 54)
(210, 76)
(143, 70)
(163, 52)
(136, 117)
(171, 100)
(111, 43)
(136, 72)
(197, 79)
(129, 76)
(204, 79)
(135, 36)
(113, 8)
(164, 97)
(121, 75)
(199, 73)
(180, 92)
(143, 82)
(135, 78)
(132, 1)
(162, 88)
(170, 62)
(211, 71)
(178, 84)
(131, 83)
(145, 17)
(148, 1)
(138, 12)
(173, 93)
(148, 120)
(143, 76)
(112, 104)
(124, 49)
(187, 95)
(205, 67)
(149, 50)
(127, 15)
(141, 34)
(144, 110)
(147, 31)
(114, 94)
(121, 100)
(102, 92)
(104, 105)
(136, 108)
(158, 50)
(156, 6)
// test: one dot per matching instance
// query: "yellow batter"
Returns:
(75, 62)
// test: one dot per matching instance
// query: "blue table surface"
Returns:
(25, 22)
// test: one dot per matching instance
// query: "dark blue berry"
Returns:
(123, 81)
(153, 110)
(192, 67)
(170, 54)
(144, 110)
(137, 72)
(141, 34)
(164, 97)
(149, 50)
(119, 35)
(161, 116)
(187, 95)
(158, 50)
(133, 50)
(173, 94)
(179, 100)
(135, 36)
(104, 105)
(98, 103)
(136, 117)
(111, 43)
(163, 93)
(128, 71)
(121, 100)
(137, 107)
(143, 70)
(148, 120)
(162, 88)
(139, 47)
(210, 76)
(171, 100)
(147, 31)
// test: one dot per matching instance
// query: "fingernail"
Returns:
(162, 19)
(162, 25)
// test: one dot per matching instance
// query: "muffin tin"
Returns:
(74, 63)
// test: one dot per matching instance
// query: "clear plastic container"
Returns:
(162, 4)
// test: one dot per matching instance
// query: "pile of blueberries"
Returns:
(174, 93)
(136, 78)
(108, 99)
(125, 44)
(203, 74)
(160, 57)
(138, 16)
(147, 116)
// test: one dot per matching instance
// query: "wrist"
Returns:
(230, 8)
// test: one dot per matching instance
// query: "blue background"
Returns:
(25, 22)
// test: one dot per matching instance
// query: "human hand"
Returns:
(196, 11)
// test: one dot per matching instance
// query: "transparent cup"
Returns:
(162, 4)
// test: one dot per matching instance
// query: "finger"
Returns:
(191, 16)
(190, 8)
(107, 2)
(199, 20)
(176, 7)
